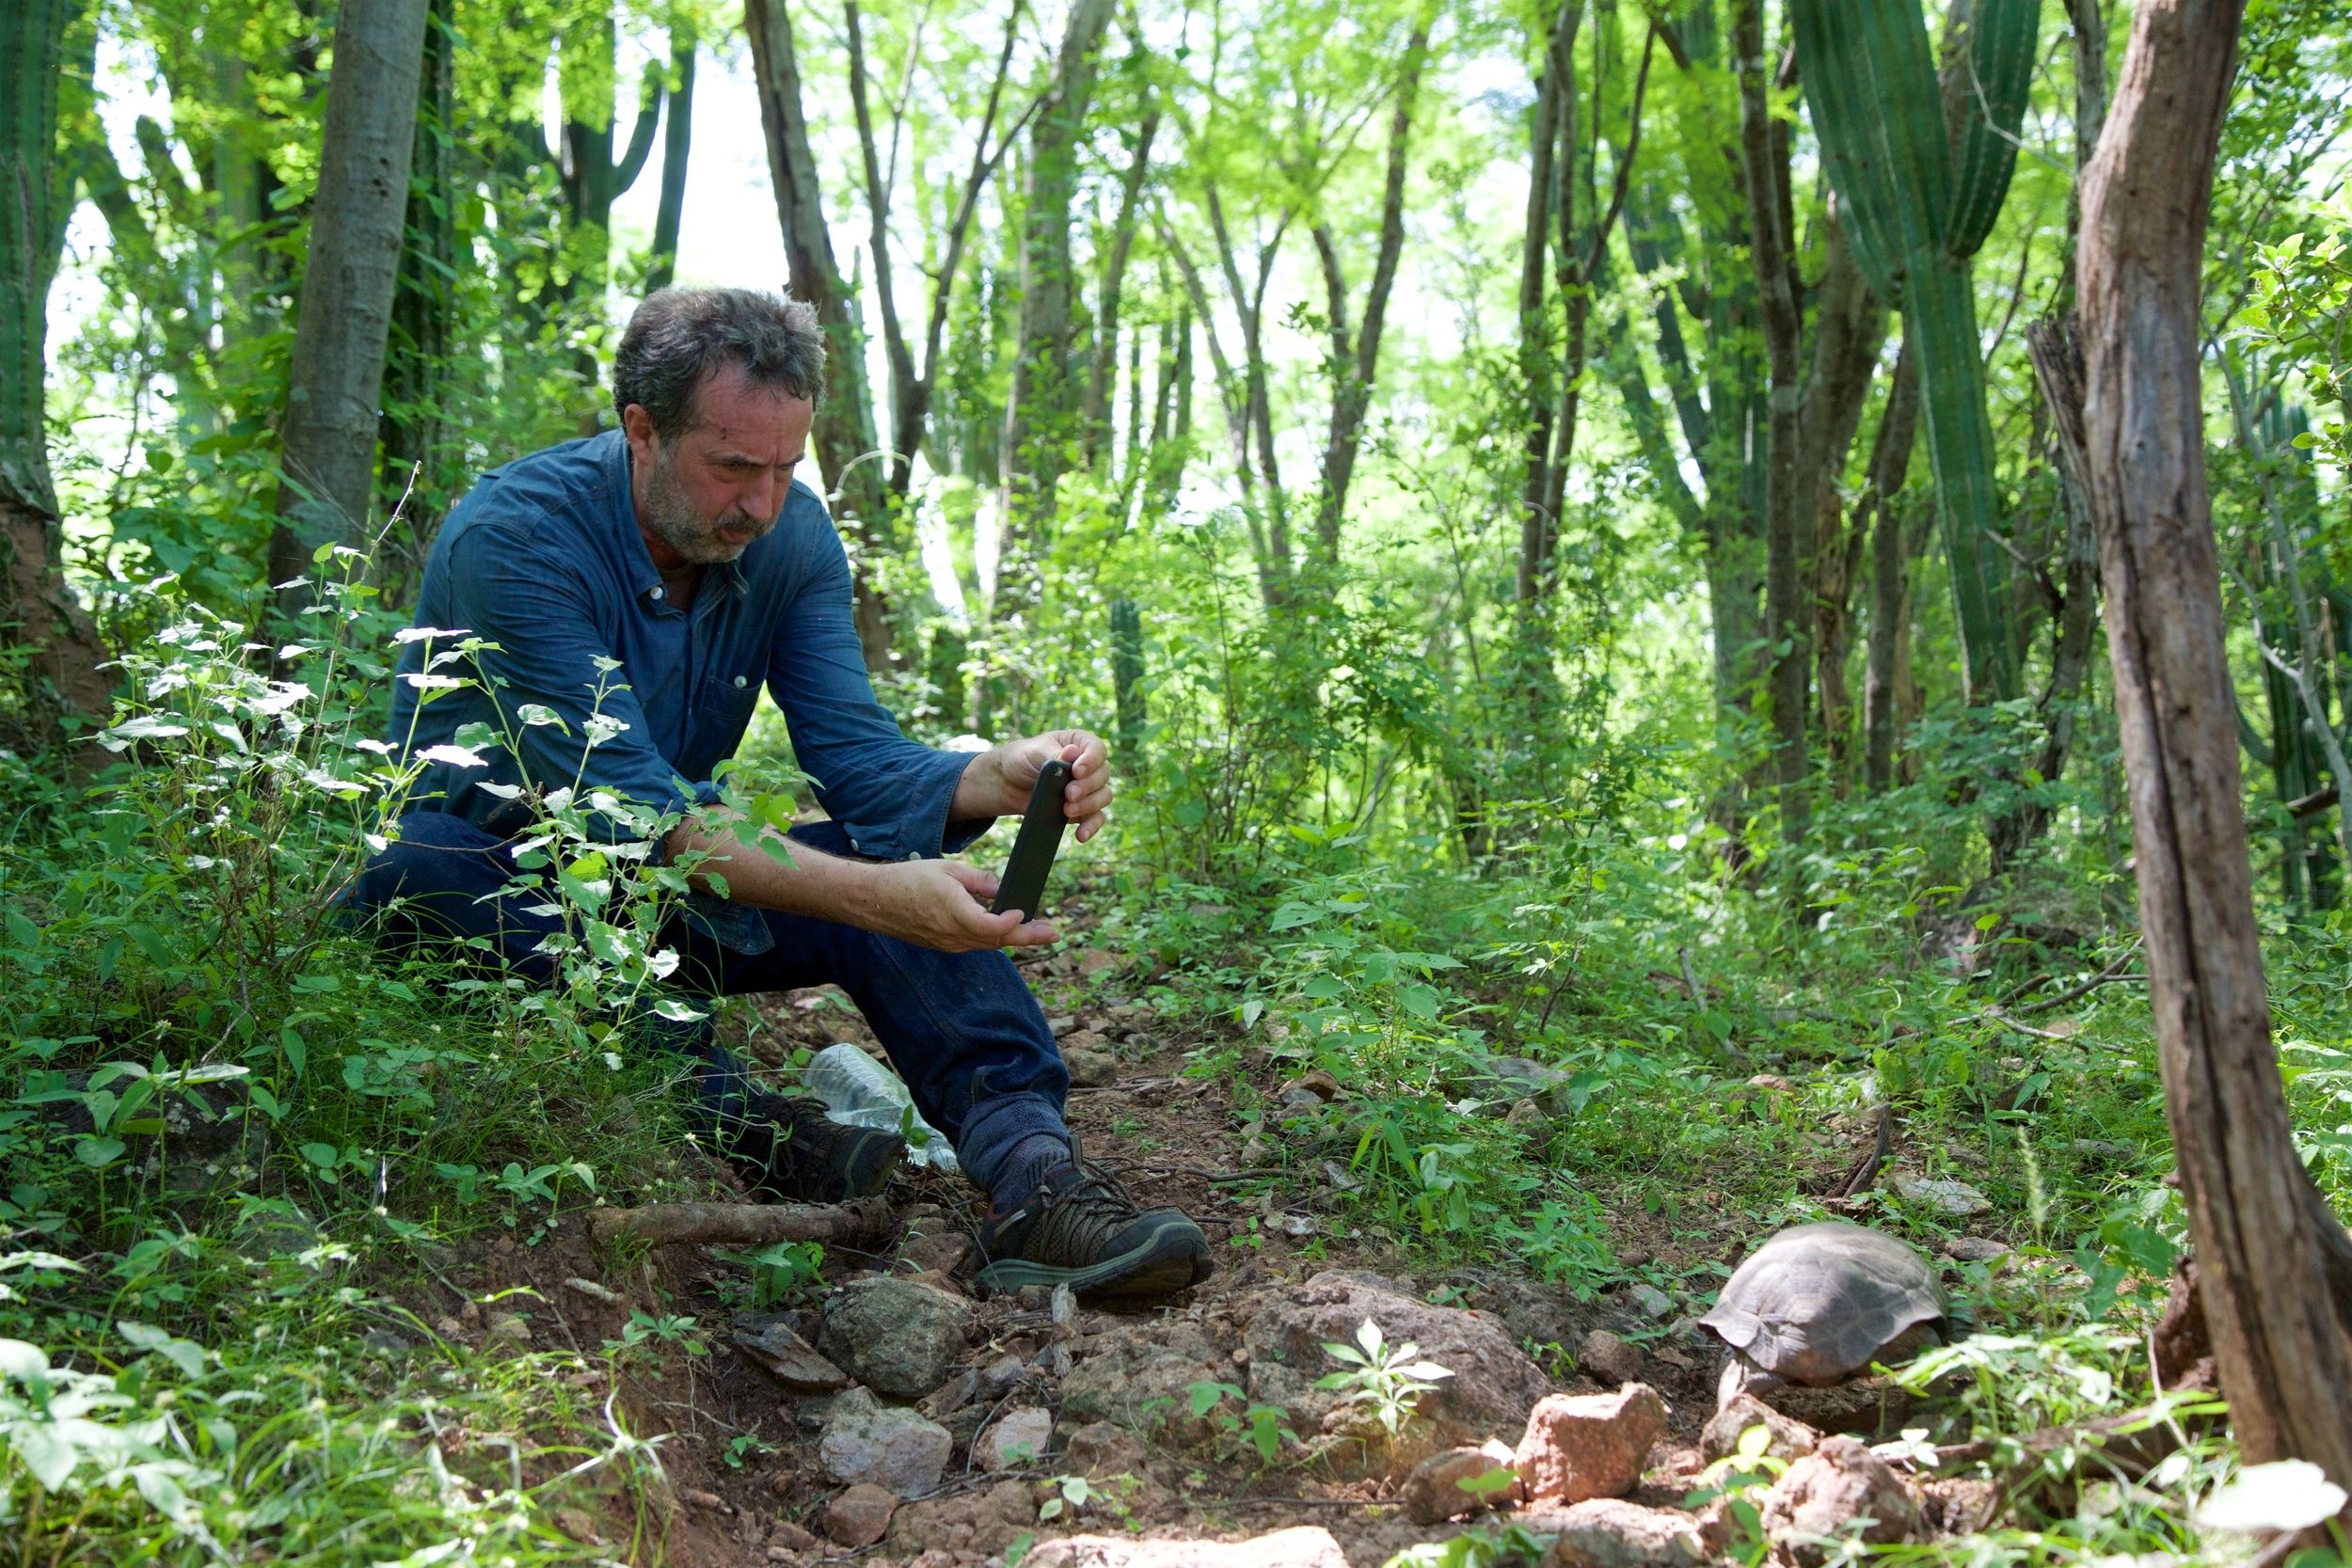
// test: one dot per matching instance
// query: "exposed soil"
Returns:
(1176, 1140)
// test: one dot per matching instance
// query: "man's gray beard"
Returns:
(671, 513)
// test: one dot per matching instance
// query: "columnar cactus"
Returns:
(1916, 207)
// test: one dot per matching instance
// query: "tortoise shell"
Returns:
(1818, 1302)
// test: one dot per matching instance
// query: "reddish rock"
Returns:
(1824, 1496)
(1581, 1446)
(861, 1515)
(1792, 1439)
(1609, 1532)
(1434, 1492)
(1305, 1546)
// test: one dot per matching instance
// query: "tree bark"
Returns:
(844, 432)
(1041, 417)
(1537, 350)
(1106, 368)
(1787, 529)
(678, 142)
(2261, 1235)
(38, 612)
(1355, 370)
(1848, 331)
(415, 355)
(336, 375)
(1887, 661)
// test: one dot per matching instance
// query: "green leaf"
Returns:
(1289, 917)
(186, 1354)
(98, 1153)
(322, 1155)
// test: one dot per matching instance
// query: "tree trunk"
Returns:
(844, 432)
(1788, 528)
(337, 375)
(1848, 330)
(1105, 373)
(1887, 661)
(677, 141)
(1354, 373)
(37, 611)
(2263, 1239)
(416, 354)
(1539, 350)
(1041, 417)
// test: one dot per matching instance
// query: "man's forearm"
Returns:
(980, 792)
(813, 883)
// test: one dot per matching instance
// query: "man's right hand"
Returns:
(943, 905)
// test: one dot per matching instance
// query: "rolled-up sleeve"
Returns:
(539, 611)
(890, 794)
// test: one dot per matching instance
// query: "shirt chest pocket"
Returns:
(720, 715)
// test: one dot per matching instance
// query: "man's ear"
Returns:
(637, 425)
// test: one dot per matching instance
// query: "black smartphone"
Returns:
(1023, 884)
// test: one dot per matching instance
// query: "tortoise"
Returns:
(1817, 1304)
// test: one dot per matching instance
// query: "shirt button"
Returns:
(657, 593)
(738, 683)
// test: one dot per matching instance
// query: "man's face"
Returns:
(704, 495)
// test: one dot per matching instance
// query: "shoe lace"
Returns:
(1076, 1217)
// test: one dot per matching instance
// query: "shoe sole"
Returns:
(1173, 1258)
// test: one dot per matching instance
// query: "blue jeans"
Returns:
(962, 1028)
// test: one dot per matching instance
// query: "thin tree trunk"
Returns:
(844, 432)
(336, 375)
(1354, 374)
(2265, 1240)
(1848, 331)
(1887, 661)
(1100, 384)
(678, 142)
(1041, 417)
(1788, 528)
(37, 611)
(418, 347)
(1538, 351)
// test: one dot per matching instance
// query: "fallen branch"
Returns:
(742, 1223)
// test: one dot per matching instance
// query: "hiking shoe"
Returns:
(1081, 1229)
(787, 1148)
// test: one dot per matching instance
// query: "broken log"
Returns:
(742, 1223)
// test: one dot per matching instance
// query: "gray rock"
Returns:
(1610, 1359)
(1102, 1449)
(1142, 1380)
(1790, 1437)
(1653, 1302)
(1943, 1195)
(1089, 1070)
(773, 1347)
(885, 1445)
(895, 1336)
(1975, 1249)
(1015, 1438)
(1494, 1387)
(1839, 1491)
(1608, 1532)
(1581, 1446)
(1303, 1546)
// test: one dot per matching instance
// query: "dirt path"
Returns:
(1198, 1421)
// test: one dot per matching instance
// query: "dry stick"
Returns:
(2112, 977)
(741, 1224)
(2022, 987)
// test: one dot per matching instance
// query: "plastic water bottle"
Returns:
(859, 1091)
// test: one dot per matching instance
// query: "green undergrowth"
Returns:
(236, 1139)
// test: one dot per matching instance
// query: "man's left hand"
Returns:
(998, 780)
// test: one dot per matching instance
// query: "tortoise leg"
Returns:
(1742, 1376)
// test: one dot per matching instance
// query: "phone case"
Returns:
(1022, 887)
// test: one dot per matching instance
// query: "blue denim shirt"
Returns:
(543, 557)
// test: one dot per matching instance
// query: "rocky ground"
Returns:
(887, 1416)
